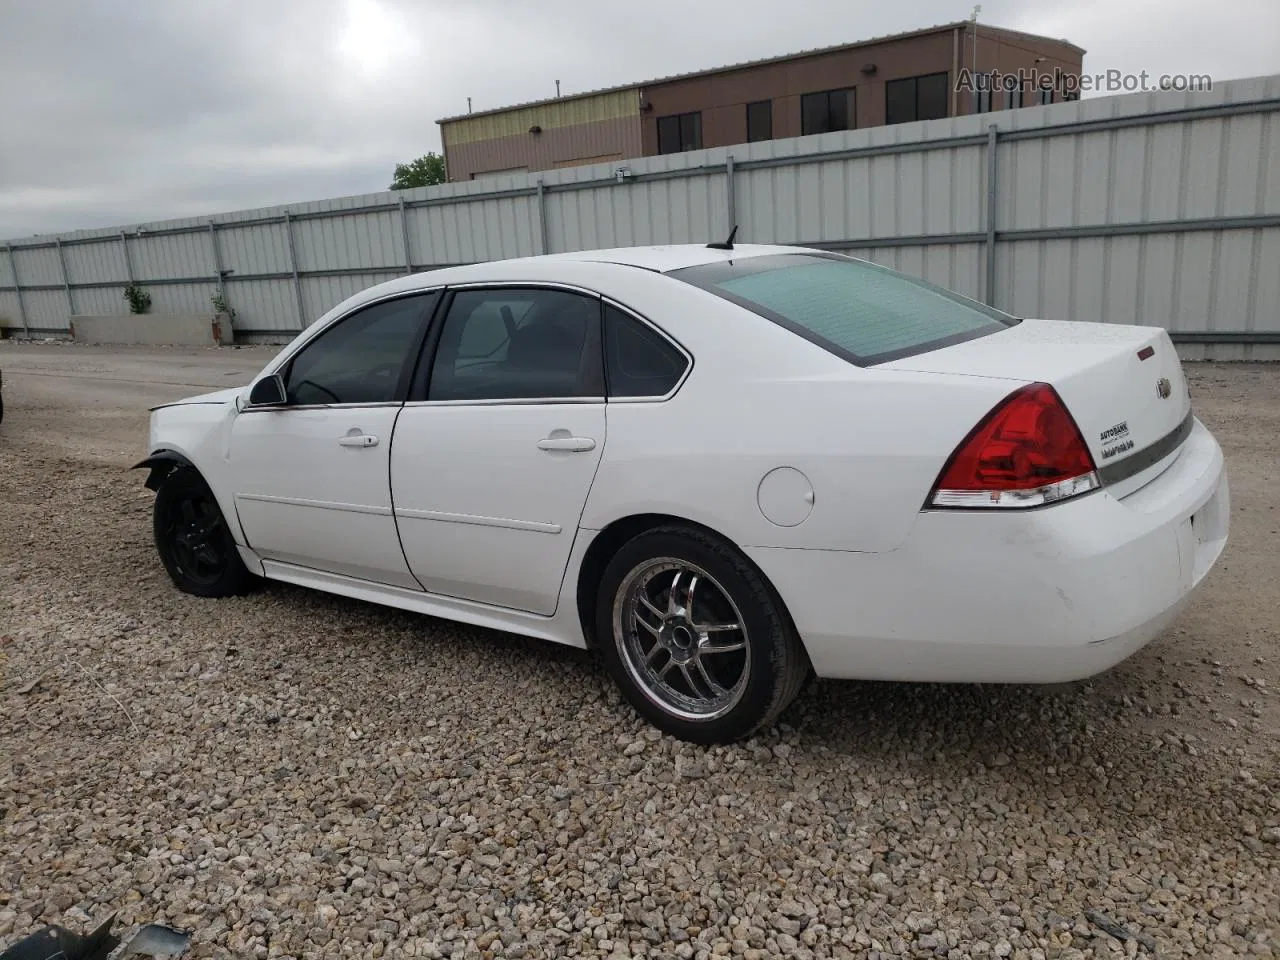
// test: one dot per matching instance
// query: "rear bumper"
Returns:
(1037, 596)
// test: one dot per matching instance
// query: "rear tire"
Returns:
(193, 540)
(695, 637)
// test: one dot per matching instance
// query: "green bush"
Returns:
(138, 299)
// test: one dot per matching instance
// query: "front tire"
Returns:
(695, 637)
(193, 540)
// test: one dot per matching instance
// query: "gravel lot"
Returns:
(293, 774)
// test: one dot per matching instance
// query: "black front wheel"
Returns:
(192, 538)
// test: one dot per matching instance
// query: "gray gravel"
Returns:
(293, 774)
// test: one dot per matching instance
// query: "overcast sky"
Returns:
(120, 111)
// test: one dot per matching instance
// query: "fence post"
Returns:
(989, 293)
(293, 268)
(128, 260)
(217, 263)
(404, 235)
(542, 217)
(733, 194)
(66, 281)
(17, 287)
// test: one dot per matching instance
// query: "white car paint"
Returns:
(464, 534)
(494, 530)
(335, 513)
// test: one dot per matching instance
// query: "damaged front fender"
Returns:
(161, 464)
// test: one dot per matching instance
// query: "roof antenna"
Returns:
(728, 244)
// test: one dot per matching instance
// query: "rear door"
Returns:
(495, 453)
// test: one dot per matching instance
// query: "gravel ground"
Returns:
(293, 774)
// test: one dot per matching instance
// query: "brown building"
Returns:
(922, 75)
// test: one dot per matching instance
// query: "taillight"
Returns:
(1026, 452)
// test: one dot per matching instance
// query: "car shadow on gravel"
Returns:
(987, 723)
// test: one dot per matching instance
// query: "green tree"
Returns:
(424, 172)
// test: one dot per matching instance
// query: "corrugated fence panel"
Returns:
(691, 209)
(263, 248)
(46, 310)
(494, 229)
(101, 262)
(101, 301)
(170, 256)
(343, 243)
(321, 294)
(263, 305)
(39, 266)
(182, 297)
(10, 315)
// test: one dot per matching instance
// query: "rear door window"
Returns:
(517, 343)
(860, 311)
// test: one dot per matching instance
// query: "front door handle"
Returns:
(358, 440)
(571, 444)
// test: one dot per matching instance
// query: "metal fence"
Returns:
(1160, 209)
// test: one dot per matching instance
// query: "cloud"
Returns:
(123, 112)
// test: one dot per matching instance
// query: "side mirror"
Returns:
(268, 392)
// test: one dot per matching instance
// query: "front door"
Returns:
(311, 477)
(490, 472)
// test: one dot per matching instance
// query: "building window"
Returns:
(982, 93)
(759, 121)
(1046, 96)
(1013, 98)
(824, 112)
(680, 132)
(916, 98)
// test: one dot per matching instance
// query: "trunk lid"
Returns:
(1123, 384)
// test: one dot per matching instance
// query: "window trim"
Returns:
(607, 301)
(420, 385)
(283, 361)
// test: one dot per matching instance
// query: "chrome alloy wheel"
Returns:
(681, 639)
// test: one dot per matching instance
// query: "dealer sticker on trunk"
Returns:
(1118, 435)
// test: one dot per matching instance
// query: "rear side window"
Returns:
(862, 312)
(639, 361)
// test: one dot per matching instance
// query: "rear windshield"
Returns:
(860, 311)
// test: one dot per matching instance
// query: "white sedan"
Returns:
(721, 468)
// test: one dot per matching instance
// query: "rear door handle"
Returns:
(571, 444)
(358, 440)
